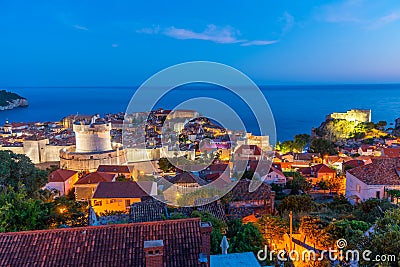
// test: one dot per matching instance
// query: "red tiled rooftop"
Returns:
(379, 172)
(115, 168)
(187, 177)
(241, 191)
(220, 167)
(353, 163)
(61, 175)
(119, 190)
(112, 245)
(322, 168)
(95, 178)
(392, 152)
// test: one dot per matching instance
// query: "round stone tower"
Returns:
(92, 137)
(93, 148)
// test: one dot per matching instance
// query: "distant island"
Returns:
(9, 100)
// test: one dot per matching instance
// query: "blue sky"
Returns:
(122, 43)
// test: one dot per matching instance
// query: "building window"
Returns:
(127, 203)
(97, 203)
(378, 194)
(358, 188)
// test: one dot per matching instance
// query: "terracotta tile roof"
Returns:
(305, 156)
(278, 171)
(215, 208)
(305, 171)
(241, 191)
(148, 211)
(188, 178)
(112, 245)
(115, 168)
(365, 148)
(244, 203)
(220, 167)
(353, 163)
(379, 172)
(322, 168)
(119, 190)
(61, 175)
(95, 178)
(392, 152)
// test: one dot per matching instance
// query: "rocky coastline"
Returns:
(9, 100)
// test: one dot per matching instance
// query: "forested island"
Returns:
(10, 100)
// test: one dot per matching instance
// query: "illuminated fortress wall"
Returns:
(93, 148)
(356, 115)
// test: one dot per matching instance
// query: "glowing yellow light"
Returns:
(62, 210)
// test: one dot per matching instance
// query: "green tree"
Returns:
(218, 227)
(272, 228)
(16, 169)
(335, 183)
(385, 238)
(299, 183)
(301, 140)
(323, 185)
(285, 146)
(351, 230)
(371, 209)
(18, 212)
(67, 212)
(247, 239)
(313, 228)
(323, 146)
(165, 165)
(340, 205)
(297, 203)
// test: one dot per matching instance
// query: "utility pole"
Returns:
(291, 230)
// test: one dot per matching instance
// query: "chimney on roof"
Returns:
(205, 229)
(153, 250)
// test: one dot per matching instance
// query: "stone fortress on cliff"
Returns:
(93, 147)
(355, 115)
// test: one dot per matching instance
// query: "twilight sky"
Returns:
(123, 42)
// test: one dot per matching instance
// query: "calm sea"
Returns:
(296, 109)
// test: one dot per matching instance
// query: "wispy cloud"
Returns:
(342, 12)
(288, 20)
(359, 12)
(385, 20)
(223, 35)
(212, 33)
(80, 27)
(259, 42)
(151, 30)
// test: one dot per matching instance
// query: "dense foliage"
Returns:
(23, 203)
